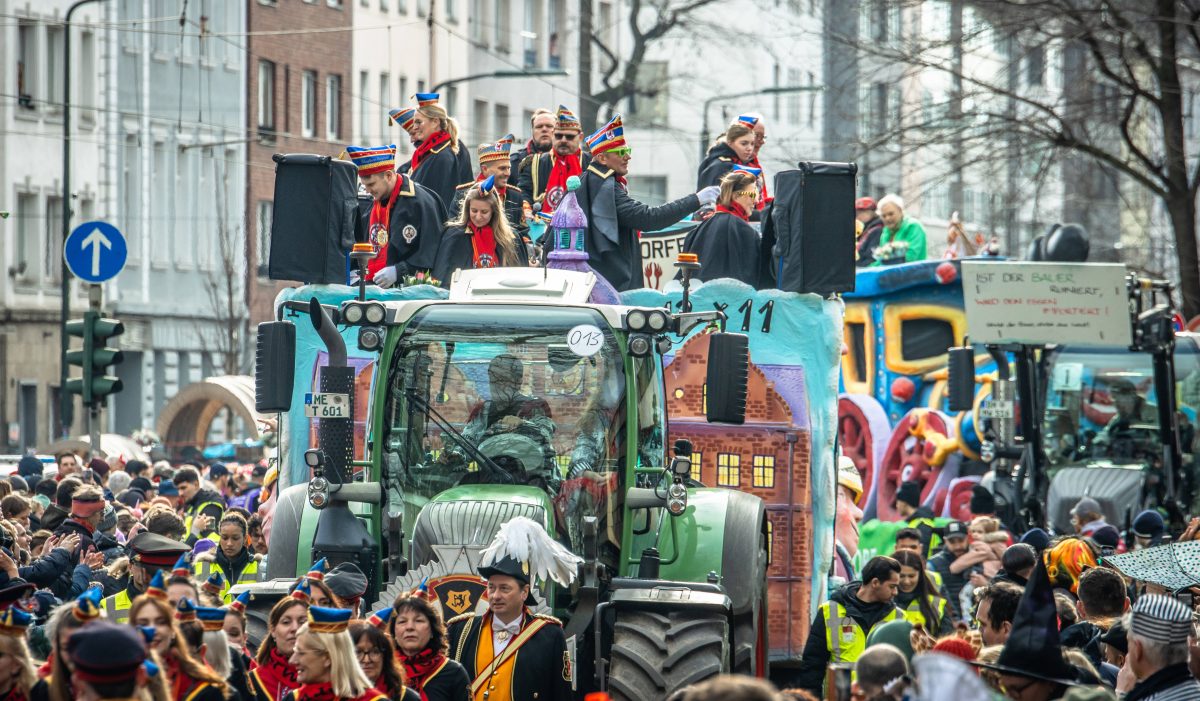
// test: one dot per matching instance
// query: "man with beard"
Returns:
(954, 577)
(543, 177)
(405, 220)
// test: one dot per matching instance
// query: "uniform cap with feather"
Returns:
(524, 551)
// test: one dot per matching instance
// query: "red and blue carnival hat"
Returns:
(373, 159)
(380, 618)
(327, 620)
(185, 611)
(158, 587)
(609, 137)
(566, 120)
(239, 604)
(211, 619)
(739, 168)
(425, 99)
(403, 116)
(181, 568)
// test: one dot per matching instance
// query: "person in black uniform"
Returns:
(614, 218)
(726, 243)
(404, 117)
(480, 237)
(541, 139)
(494, 163)
(734, 147)
(509, 651)
(543, 176)
(437, 163)
(107, 660)
(404, 222)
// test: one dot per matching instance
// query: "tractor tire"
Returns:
(257, 612)
(751, 646)
(654, 654)
(285, 547)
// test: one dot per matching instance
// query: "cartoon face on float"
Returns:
(846, 520)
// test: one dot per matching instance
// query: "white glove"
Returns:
(708, 196)
(385, 277)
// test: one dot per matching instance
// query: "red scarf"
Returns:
(46, 669)
(426, 146)
(483, 243)
(377, 230)
(277, 674)
(763, 197)
(182, 685)
(735, 209)
(14, 694)
(556, 186)
(84, 524)
(420, 667)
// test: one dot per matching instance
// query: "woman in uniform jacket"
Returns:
(435, 162)
(55, 676)
(377, 657)
(326, 664)
(480, 237)
(726, 244)
(419, 633)
(734, 147)
(187, 678)
(274, 674)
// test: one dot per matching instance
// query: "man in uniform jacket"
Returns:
(404, 222)
(487, 645)
(541, 139)
(494, 162)
(614, 218)
(543, 176)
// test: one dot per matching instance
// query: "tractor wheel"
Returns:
(285, 545)
(750, 640)
(257, 612)
(655, 654)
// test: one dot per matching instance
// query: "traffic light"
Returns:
(94, 358)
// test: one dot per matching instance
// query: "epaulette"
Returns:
(547, 617)
(465, 185)
(726, 159)
(513, 188)
(441, 148)
(461, 617)
(602, 173)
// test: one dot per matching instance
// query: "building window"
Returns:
(54, 68)
(479, 121)
(770, 541)
(333, 106)
(503, 24)
(764, 471)
(364, 106)
(385, 101)
(452, 100)
(729, 468)
(402, 95)
(27, 237)
(793, 99)
(266, 95)
(53, 239)
(648, 104)
(1035, 66)
(476, 21)
(27, 64)
(530, 36)
(263, 213)
(451, 12)
(500, 125)
(697, 462)
(85, 98)
(308, 101)
(554, 58)
(131, 200)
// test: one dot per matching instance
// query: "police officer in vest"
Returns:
(908, 505)
(487, 645)
(148, 553)
(198, 501)
(840, 628)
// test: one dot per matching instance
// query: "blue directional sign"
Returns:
(95, 251)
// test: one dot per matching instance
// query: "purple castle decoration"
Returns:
(566, 236)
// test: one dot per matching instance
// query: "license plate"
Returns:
(996, 410)
(327, 406)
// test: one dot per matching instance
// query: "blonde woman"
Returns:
(734, 147)
(480, 237)
(727, 245)
(436, 163)
(326, 661)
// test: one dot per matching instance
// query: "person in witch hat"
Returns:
(1032, 666)
(487, 645)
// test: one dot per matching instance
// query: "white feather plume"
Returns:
(525, 540)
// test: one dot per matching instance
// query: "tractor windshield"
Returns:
(1101, 406)
(511, 395)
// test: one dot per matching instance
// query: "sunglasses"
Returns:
(747, 193)
(623, 152)
(565, 137)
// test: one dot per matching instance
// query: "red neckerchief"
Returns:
(377, 231)
(46, 669)
(426, 146)
(420, 667)
(181, 683)
(277, 674)
(563, 168)
(483, 243)
(735, 209)
(763, 197)
(316, 692)
(14, 694)
(84, 524)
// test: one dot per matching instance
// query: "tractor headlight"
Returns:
(676, 499)
(374, 314)
(657, 320)
(635, 320)
(640, 345)
(370, 338)
(318, 492)
(352, 313)
(313, 457)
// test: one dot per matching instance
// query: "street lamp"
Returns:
(776, 90)
(515, 73)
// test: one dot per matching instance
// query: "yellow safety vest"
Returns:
(914, 616)
(116, 607)
(191, 514)
(843, 636)
(935, 577)
(934, 540)
(204, 568)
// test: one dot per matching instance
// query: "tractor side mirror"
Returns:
(960, 380)
(274, 366)
(727, 377)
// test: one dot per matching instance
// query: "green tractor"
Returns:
(392, 458)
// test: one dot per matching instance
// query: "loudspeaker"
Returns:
(312, 227)
(810, 228)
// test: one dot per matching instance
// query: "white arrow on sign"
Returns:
(96, 239)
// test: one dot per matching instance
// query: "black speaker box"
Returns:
(809, 228)
(312, 229)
